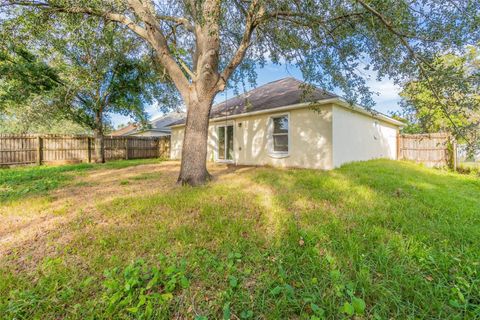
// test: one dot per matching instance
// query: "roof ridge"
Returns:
(257, 88)
(166, 114)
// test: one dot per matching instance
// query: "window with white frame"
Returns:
(280, 134)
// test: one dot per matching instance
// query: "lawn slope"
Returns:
(372, 240)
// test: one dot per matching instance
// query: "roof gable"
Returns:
(160, 124)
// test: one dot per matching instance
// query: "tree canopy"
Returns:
(449, 99)
(22, 74)
(80, 73)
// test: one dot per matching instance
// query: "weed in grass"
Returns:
(147, 176)
(142, 291)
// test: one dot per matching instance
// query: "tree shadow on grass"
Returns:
(295, 243)
(306, 237)
(410, 231)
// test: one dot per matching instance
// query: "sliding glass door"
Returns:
(225, 143)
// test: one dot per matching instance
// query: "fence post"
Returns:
(398, 146)
(160, 147)
(39, 150)
(89, 149)
(454, 155)
(126, 148)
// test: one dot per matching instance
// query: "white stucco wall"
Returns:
(322, 139)
(358, 137)
(176, 140)
(310, 140)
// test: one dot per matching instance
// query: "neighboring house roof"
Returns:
(280, 94)
(125, 130)
(160, 124)
(163, 123)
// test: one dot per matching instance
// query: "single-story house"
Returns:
(282, 124)
(157, 127)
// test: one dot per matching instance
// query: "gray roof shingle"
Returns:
(280, 93)
(160, 124)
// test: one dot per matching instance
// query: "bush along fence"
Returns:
(31, 149)
(433, 150)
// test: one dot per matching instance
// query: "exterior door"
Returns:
(225, 143)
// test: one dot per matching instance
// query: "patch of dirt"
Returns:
(34, 227)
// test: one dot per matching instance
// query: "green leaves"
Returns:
(348, 309)
(77, 71)
(142, 290)
(246, 314)
(226, 311)
(276, 291)
(23, 74)
(317, 310)
(357, 306)
(446, 97)
(233, 281)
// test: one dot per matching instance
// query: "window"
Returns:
(280, 134)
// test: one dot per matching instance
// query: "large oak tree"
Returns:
(202, 44)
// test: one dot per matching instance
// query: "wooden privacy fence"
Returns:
(433, 150)
(26, 149)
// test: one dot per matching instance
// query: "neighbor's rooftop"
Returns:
(160, 124)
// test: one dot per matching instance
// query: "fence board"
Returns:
(433, 150)
(27, 149)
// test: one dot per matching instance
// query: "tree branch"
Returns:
(151, 33)
(420, 61)
(177, 20)
(253, 13)
(120, 18)
(158, 41)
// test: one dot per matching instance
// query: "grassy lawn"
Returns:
(372, 240)
(21, 182)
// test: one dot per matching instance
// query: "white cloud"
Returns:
(386, 94)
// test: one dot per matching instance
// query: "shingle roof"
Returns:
(125, 130)
(280, 93)
(160, 124)
(163, 123)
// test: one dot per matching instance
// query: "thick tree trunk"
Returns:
(194, 152)
(99, 140)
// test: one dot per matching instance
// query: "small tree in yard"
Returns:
(93, 70)
(202, 44)
(453, 104)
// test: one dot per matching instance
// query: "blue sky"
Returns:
(385, 92)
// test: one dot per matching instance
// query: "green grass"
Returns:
(472, 168)
(21, 182)
(372, 240)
